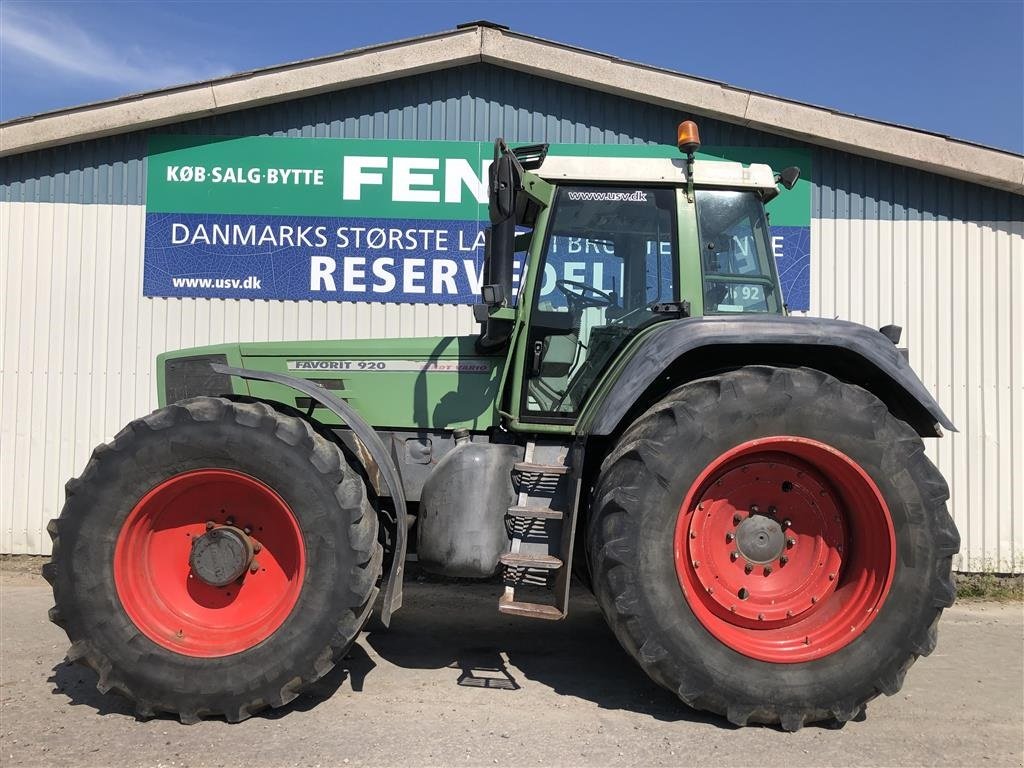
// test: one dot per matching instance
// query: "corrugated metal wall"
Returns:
(942, 258)
(945, 260)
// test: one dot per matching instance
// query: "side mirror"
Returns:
(506, 179)
(504, 183)
(788, 177)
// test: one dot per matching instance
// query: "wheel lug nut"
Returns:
(771, 511)
(783, 560)
(760, 617)
(256, 546)
(789, 614)
(254, 566)
(787, 523)
(696, 563)
(736, 519)
(730, 536)
(814, 600)
(247, 531)
(693, 534)
(790, 543)
(209, 525)
(754, 509)
(734, 555)
(831, 577)
(767, 570)
(748, 567)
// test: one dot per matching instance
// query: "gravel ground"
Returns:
(456, 683)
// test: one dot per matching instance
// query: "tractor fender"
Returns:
(385, 467)
(676, 351)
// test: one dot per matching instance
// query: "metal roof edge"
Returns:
(349, 69)
(494, 44)
(901, 145)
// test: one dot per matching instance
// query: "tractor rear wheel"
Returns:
(213, 559)
(772, 545)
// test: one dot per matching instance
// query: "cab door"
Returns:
(608, 256)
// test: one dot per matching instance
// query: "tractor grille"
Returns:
(186, 377)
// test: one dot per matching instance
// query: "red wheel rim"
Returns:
(785, 549)
(161, 593)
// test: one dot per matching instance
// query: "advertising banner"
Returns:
(361, 219)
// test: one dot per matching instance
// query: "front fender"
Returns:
(847, 350)
(377, 450)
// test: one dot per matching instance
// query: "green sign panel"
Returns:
(354, 219)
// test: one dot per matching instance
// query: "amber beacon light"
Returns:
(687, 137)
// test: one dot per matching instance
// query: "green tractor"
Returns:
(745, 492)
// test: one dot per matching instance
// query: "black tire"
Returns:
(338, 529)
(632, 523)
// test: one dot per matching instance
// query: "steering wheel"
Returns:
(585, 295)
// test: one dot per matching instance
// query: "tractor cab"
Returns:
(605, 248)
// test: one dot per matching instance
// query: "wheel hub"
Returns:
(759, 539)
(221, 555)
(210, 562)
(764, 538)
(764, 551)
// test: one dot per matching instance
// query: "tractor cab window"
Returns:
(736, 257)
(610, 256)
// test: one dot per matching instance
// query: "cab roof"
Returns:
(655, 170)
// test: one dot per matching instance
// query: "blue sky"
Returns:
(950, 67)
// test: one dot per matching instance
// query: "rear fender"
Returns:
(382, 465)
(675, 352)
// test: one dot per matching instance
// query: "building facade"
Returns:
(905, 227)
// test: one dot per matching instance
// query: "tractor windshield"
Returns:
(737, 261)
(610, 255)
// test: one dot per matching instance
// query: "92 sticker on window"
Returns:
(739, 297)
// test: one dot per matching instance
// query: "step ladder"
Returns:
(538, 565)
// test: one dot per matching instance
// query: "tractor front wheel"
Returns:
(213, 559)
(772, 545)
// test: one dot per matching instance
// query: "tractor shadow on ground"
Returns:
(457, 626)
(77, 684)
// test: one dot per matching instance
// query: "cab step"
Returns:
(545, 513)
(531, 560)
(529, 468)
(540, 524)
(507, 604)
